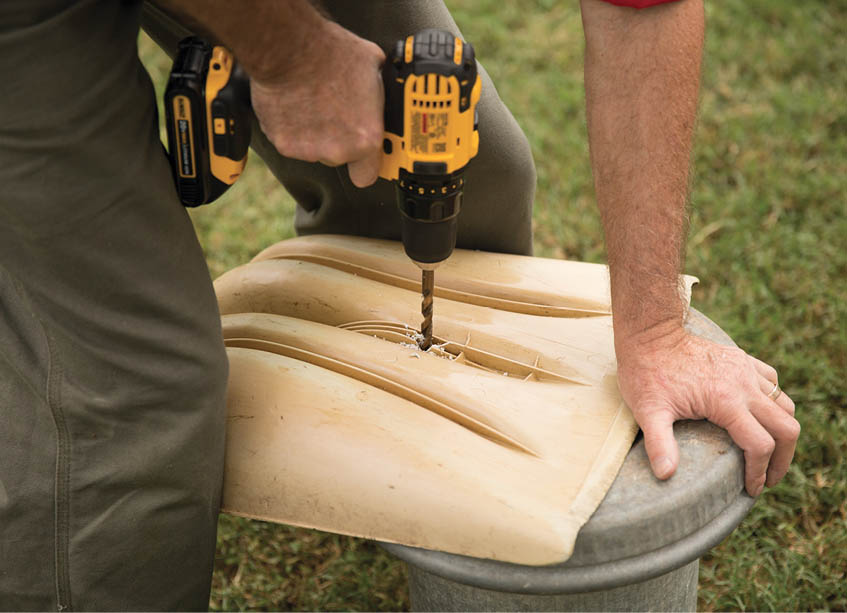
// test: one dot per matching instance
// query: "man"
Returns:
(112, 371)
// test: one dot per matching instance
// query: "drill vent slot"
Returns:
(441, 104)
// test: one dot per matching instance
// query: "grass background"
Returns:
(767, 239)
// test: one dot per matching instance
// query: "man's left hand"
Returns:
(675, 375)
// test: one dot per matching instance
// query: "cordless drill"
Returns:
(431, 92)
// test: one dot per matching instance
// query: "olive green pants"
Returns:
(112, 370)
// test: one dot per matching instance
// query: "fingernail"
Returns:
(664, 466)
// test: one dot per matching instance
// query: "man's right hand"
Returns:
(328, 105)
(316, 88)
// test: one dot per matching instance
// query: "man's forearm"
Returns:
(642, 72)
(267, 37)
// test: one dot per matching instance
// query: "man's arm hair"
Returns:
(266, 37)
(642, 73)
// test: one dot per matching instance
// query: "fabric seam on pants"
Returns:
(61, 504)
(63, 477)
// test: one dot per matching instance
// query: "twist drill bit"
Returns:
(427, 287)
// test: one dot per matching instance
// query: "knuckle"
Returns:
(284, 149)
(754, 478)
(376, 134)
(353, 152)
(764, 364)
(374, 50)
(791, 406)
(760, 448)
(766, 446)
(736, 354)
(369, 138)
(793, 430)
(290, 150)
(334, 154)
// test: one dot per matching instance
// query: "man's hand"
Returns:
(669, 375)
(327, 107)
(316, 88)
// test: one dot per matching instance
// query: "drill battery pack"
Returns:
(207, 106)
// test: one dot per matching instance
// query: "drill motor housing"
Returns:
(431, 133)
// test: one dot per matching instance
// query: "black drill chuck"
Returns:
(429, 208)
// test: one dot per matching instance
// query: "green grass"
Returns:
(768, 240)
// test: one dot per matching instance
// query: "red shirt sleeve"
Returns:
(638, 4)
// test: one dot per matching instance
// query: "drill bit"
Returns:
(427, 287)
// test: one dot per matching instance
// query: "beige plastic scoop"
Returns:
(498, 443)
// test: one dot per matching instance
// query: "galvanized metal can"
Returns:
(640, 550)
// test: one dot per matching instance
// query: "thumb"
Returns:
(657, 425)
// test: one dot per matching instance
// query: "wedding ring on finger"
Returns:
(775, 392)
